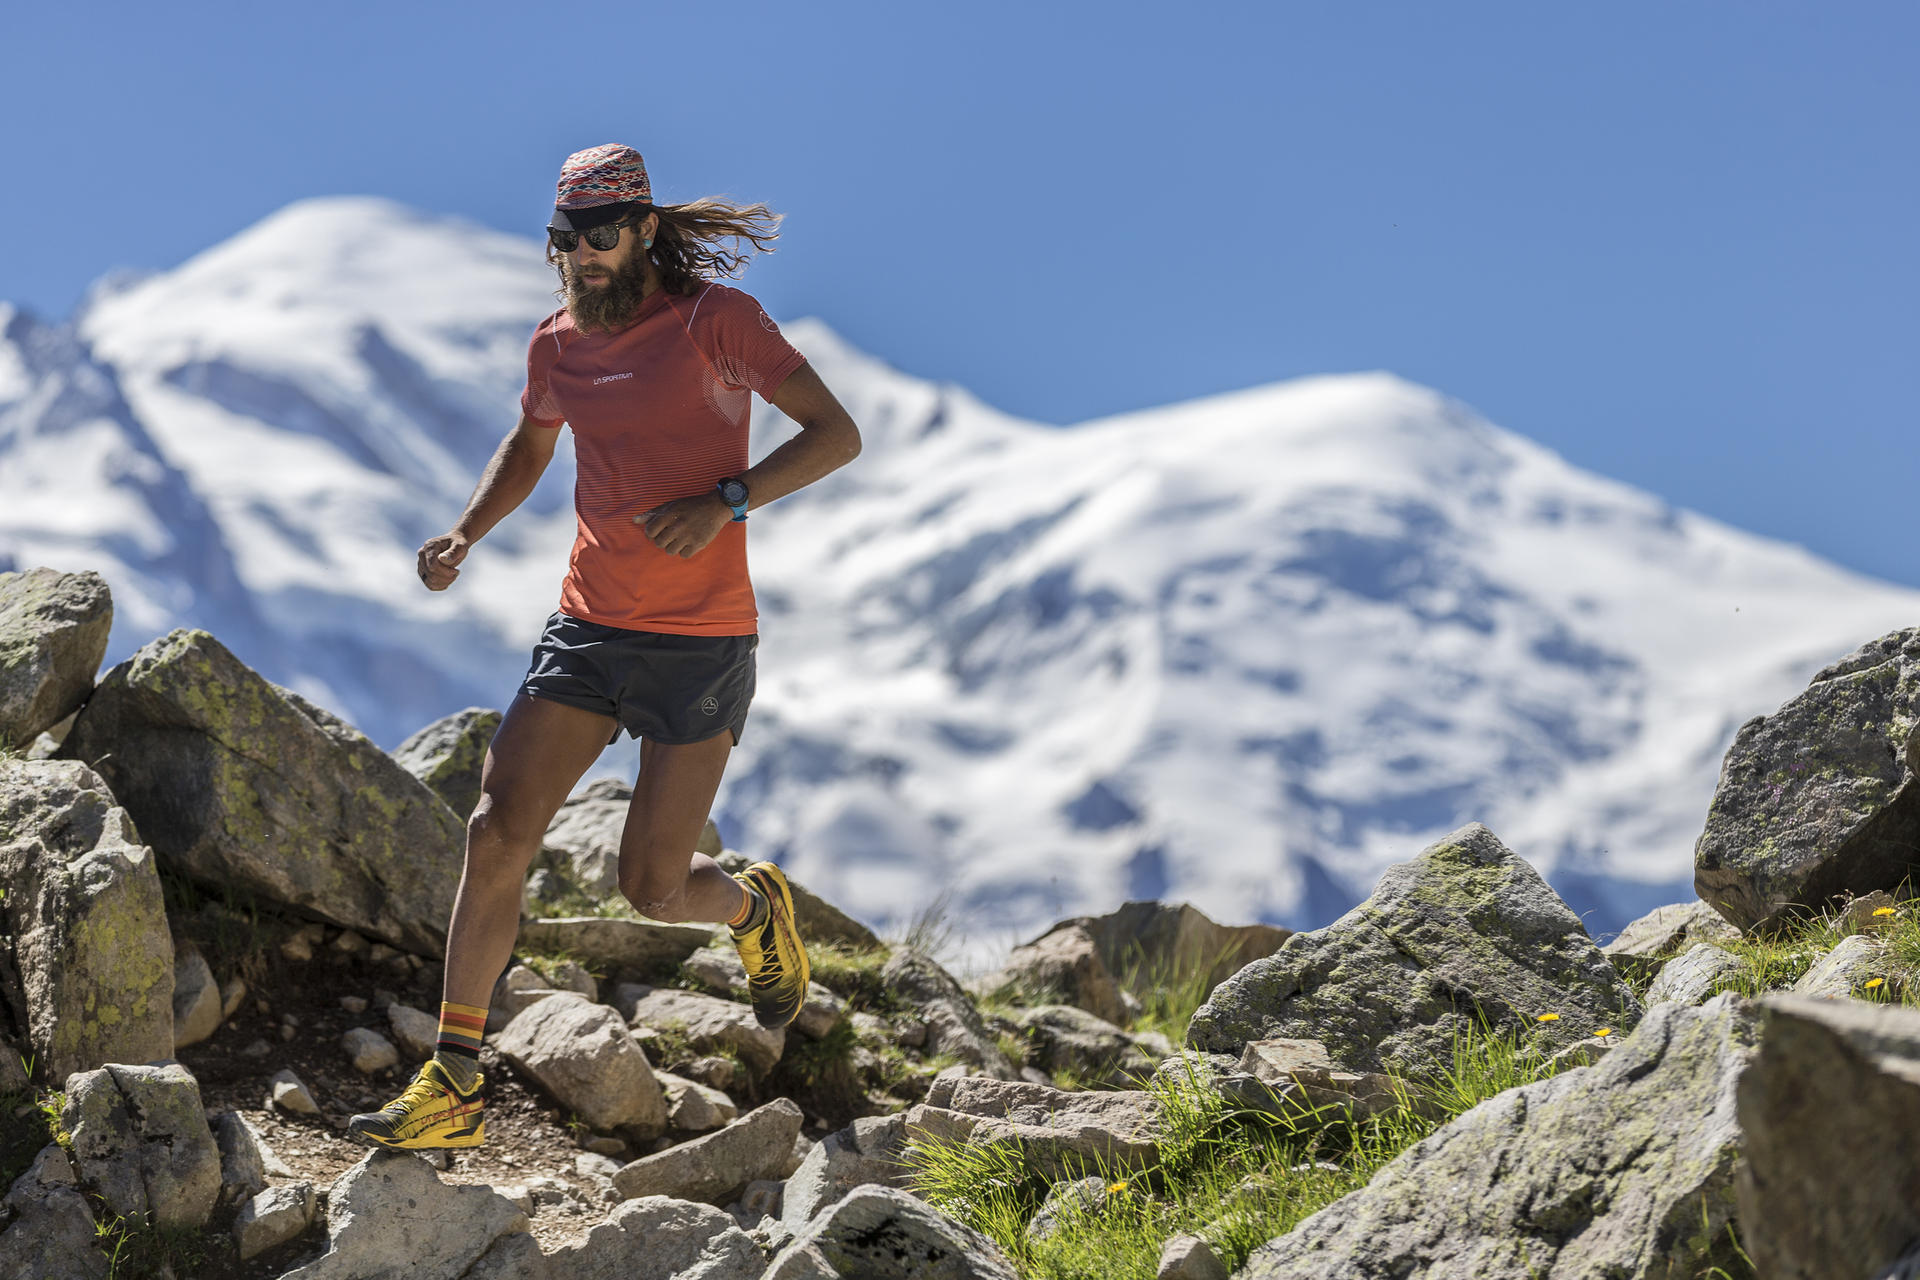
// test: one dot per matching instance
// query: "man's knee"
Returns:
(502, 833)
(657, 893)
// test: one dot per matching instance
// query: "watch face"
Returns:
(733, 491)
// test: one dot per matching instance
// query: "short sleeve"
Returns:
(537, 401)
(748, 347)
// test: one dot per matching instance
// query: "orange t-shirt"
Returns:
(658, 411)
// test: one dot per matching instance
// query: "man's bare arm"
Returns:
(828, 440)
(516, 467)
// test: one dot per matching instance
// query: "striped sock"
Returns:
(753, 909)
(461, 1026)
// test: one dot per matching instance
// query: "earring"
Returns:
(646, 244)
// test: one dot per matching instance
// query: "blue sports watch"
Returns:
(733, 492)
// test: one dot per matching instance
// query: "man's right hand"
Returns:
(440, 559)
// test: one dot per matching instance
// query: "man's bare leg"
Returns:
(660, 874)
(538, 755)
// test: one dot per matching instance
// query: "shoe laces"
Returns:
(417, 1094)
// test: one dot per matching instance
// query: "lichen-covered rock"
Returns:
(241, 784)
(1831, 1181)
(88, 925)
(390, 1216)
(1691, 978)
(583, 1054)
(1066, 1039)
(51, 1235)
(715, 1168)
(954, 1025)
(1625, 1169)
(878, 1233)
(447, 755)
(53, 633)
(1466, 933)
(1845, 970)
(1643, 946)
(1060, 1133)
(141, 1142)
(1818, 801)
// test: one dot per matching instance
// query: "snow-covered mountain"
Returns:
(1242, 651)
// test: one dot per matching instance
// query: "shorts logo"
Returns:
(710, 705)
(612, 377)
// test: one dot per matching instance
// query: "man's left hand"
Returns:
(685, 526)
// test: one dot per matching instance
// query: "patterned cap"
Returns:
(612, 174)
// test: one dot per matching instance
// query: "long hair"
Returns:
(688, 249)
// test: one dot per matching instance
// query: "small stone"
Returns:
(604, 1145)
(381, 953)
(288, 1031)
(1190, 1258)
(354, 1004)
(370, 1051)
(350, 943)
(384, 999)
(715, 1071)
(288, 1094)
(232, 996)
(595, 1167)
(258, 1049)
(272, 1218)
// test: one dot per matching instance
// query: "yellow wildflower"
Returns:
(1604, 1031)
(1883, 911)
(1874, 982)
(1548, 1017)
(1117, 1188)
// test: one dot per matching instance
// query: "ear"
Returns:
(650, 226)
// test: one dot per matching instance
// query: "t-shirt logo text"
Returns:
(612, 377)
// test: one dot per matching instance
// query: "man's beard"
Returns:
(607, 307)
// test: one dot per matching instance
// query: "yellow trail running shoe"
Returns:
(431, 1112)
(775, 958)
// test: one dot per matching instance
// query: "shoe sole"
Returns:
(770, 878)
(432, 1142)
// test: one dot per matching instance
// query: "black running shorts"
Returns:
(665, 688)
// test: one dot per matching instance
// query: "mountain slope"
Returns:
(1244, 650)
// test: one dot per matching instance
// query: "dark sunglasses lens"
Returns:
(563, 241)
(604, 238)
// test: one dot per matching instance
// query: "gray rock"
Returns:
(1074, 1041)
(52, 1233)
(1467, 931)
(693, 1107)
(1831, 1181)
(243, 1157)
(582, 1054)
(866, 1152)
(583, 840)
(714, 1169)
(1624, 1169)
(1642, 947)
(658, 1238)
(709, 1022)
(241, 784)
(141, 1142)
(1845, 970)
(1189, 1258)
(1819, 800)
(818, 919)
(518, 988)
(1059, 1133)
(416, 1033)
(197, 1006)
(390, 1217)
(1690, 978)
(370, 1052)
(719, 970)
(954, 1025)
(878, 1233)
(1293, 1079)
(1145, 944)
(516, 1257)
(1059, 967)
(447, 756)
(614, 946)
(90, 946)
(289, 1093)
(1065, 1203)
(272, 1218)
(53, 634)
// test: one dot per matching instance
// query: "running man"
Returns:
(652, 364)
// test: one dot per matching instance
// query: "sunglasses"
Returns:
(602, 238)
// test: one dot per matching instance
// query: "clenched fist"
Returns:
(440, 560)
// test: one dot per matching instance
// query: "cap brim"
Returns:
(587, 219)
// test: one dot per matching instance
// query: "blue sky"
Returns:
(1674, 242)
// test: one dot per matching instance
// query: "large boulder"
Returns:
(659, 1238)
(245, 785)
(709, 1023)
(716, 1168)
(53, 633)
(391, 1218)
(1831, 1182)
(1625, 1169)
(1062, 966)
(866, 1152)
(52, 1232)
(447, 755)
(1060, 1133)
(1819, 801)
(878, 1233)
(583, 840)
(954, 1025)
(83, 908)
(1067, 1040)
(1465, 934)
(1148, 943)
(141, 1141)
(583, 1054)
(609, 944)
